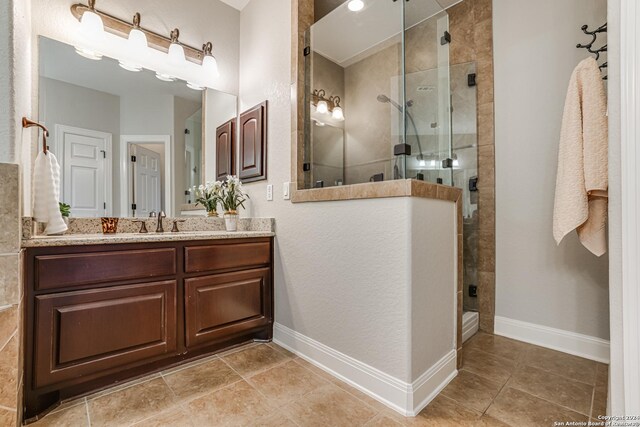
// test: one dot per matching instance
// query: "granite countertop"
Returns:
(100, 239)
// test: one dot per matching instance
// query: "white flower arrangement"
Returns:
(233, 195)
(208, 195)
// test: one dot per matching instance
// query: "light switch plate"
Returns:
(270, 192)
(286, 191)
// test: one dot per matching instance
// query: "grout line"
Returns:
(333, 381)
(4, 345)
(552, 402)
(6, 408)
(541, 398)
(498, 393)
(86, 408)
(593, 399)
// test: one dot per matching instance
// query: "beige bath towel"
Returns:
(582, 180)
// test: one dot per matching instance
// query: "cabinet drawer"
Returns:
(85, 332)
(66, 270)
(226, 256)
(226, 304)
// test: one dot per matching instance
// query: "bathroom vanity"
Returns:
(105, 309)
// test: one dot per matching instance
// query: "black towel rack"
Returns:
(589, 46)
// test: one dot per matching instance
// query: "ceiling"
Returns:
(238, 4)
(59, 61)
(343, 35)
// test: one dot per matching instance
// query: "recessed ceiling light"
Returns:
(355, 5)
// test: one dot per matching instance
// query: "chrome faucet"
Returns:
(159, 228)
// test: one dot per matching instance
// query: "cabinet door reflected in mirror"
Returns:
(128, 143)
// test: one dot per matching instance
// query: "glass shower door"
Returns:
(428, 92)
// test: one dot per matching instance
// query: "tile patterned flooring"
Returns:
(502, 383)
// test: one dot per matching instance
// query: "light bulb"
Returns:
(176, 54)
(165, 77)
(355, 5)
(323, 107)
(338, 114)
(210, 67)
(136, 49)
(90, 35)
(319, 124)
(91, 27)
(456, 163)
(194, 86)
(422, 163)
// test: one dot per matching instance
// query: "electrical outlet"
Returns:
(286, 194)
(270, 192)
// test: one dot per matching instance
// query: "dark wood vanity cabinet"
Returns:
(98, 315)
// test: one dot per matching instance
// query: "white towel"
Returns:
(582, 180)
(46, 193)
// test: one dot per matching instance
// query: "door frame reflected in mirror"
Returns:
(126, 141)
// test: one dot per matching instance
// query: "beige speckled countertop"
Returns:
(101, 239)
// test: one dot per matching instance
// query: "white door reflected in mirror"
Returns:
(86, 161)
(147, 191)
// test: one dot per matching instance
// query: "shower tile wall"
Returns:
(470, 24)
(368, 142)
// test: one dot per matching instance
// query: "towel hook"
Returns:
(26, 123)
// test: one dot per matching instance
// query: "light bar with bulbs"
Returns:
(136, 48)
(329, 105)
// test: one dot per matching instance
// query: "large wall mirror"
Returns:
(128, 143)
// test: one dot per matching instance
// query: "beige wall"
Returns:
(565, 286)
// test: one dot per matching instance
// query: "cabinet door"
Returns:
(224, 305)
(225, 158)
(252, 161)
(84, 333)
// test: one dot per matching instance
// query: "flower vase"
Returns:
(231, 220)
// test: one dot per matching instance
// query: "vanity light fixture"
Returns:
(136, 46)
(169, 58)
(209, 62)
(337, 112)
(322, 107)
(326, 105)
(176, 51)
(90, 34)
(355, 5)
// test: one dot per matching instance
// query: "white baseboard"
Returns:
(557, 339)
(407, 399)
(470, 324)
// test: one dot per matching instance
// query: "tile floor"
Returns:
(502, 383)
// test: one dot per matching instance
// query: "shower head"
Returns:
(385, 99)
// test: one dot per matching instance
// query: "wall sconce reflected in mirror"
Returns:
(326, 105)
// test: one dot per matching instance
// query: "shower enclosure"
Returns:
(378, 83)
(385, 103)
